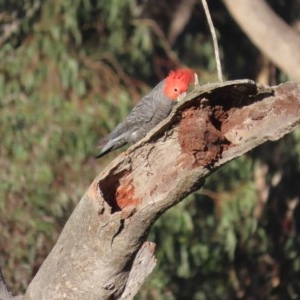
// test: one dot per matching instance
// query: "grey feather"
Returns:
(148, 112)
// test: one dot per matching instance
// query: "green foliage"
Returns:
(68, 73)
(49, 128)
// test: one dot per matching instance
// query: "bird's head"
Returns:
(178, 82)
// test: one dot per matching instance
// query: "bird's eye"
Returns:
(175, 90)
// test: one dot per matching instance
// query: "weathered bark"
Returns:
(277, 40)
(143, 265)
(98, 246)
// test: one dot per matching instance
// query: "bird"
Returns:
(150, 110)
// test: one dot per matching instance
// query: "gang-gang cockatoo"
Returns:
(150, 110)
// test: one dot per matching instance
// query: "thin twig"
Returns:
(215, 41)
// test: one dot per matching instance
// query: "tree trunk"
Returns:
(269, 33)
(101, 252)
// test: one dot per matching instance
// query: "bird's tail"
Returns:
(111, 145)
(103, 152)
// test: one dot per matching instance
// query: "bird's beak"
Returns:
(196, 80)
(181, 97)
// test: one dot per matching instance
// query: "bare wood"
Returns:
(277, 40)
(143, 265)
(215, 40)
(216, 123)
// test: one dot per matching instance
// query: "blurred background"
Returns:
(70, 70)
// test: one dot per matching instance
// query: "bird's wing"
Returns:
(142, 113)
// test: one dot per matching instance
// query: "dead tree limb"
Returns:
(276, 39)
(104, 237)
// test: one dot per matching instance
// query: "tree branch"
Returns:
(269, 33)
(142, 266)
(216, 123)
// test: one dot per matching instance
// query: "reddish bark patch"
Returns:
(289, 106)
(199, 135)
(125, 193)
(108, 187)
(118, 191)
(237, 117)
(220, 115)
